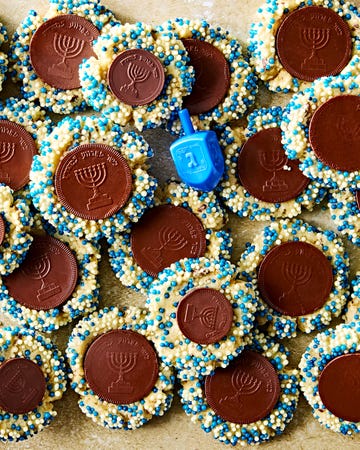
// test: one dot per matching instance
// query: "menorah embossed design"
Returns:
(207, 317)
(244, 384)
(273, 161)
(7, 151)
(38, 268)
(17, 384)
(170, 239)
(314, 39)
(137, 74)
(122, 363)
(67, 47)
(92, 177)
(296, 274)
(349, 129)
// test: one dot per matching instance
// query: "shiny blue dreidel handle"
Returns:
(197, 156)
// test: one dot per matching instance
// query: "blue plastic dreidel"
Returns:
(197, 156)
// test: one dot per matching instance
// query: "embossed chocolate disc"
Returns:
(334, 132)
(47, 276)
(313, 42)
(245, 391)
(59, 46)
(17, 148)
(99, 177)
(204, 315)
(22, 386)
(166, 234)
(295, 278)
(136, 77)
(121, 366)
(212, 76)
(265, 171)
(357, 197)
(2, 230)
(339, 386)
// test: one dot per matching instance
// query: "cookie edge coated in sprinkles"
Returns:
(3, 56)
(19, 342)
(327, 242)
(352, 309)
(235, 196)
(17, 241)
(130, 416)
(189, 358)
(195, 405)
(204, 205)
(345, 213)
(166, 48)
(262, 39)
(33, 88)
(295, 130)
(34, 120)
(83, 300)
(243, 81)
(69, 133)
(326, 346)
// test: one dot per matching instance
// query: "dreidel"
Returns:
(197, 156)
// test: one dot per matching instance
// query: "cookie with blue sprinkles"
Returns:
(200, 315)
(34, 376)
(56, 283)
(344, 207)
(305, 128)
(281, 42)
(250, 401)
(45, 61)
(89, 155)
(183, 223)
(225, 84)
(23, 125)
(302, 276)
(14, 237)
(329, 370)
(3, 56)
(352, 310)
(111, 353)
(260, 182)
(138, 76)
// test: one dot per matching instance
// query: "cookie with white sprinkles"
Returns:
(301, 274)
(344, 207)
(3, 56)
(116, 371)
(260, 182)
(105, 166)
(330, 370)
(23, 125)
(292, 42)
(225, 84)
(318, 124)
(183, 223)
(46, 51)
(32, 377)
(14, 237)
(56, 283)
(248, 402)
(138, 76)
(200, 315)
